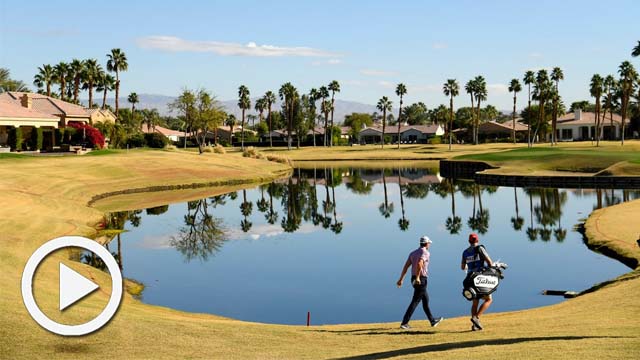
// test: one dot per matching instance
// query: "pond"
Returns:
(332, 241)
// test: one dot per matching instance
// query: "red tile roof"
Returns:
(11, 109)
(50, 105)
(587, 118)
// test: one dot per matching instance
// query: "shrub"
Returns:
(15, 138)
(207, 149)
(280, 159)
(250, 152)
(156, 140)
(36, 139)
(136, 140)
(170, 147)
(436, 140)
(92, 135)
(219, 149)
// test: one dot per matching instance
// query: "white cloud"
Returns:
(386, 84)
(176, 44)
(373, 72)
(328, 62)
(353, 82)
(498, 88)
(440, 45)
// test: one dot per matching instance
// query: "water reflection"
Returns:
(309, 197)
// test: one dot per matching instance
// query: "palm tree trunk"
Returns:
(326, 123)
(473, 119)
(332, 109)
(48, 88)
(529, 120)
(270, 129)
(242, 133)
(384, 124)
(104, 98)
(450, 121)
(399, 121)
(117, 94)
(513, 118)
(90, 94)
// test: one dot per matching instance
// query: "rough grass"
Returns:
(45, 198)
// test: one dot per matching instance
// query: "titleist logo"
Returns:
(485, 281)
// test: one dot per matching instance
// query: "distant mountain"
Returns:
(161, 102)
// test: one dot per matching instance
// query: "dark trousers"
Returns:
(419, 294)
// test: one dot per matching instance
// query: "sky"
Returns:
(368, 46)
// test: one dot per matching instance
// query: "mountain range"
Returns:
(161, 102)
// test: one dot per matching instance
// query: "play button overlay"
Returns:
(73, 286)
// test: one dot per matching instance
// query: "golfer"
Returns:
(473, 259)
(419, 262)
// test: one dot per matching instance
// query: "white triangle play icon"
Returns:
(73, 286)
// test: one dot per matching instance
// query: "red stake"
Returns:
(308, 318)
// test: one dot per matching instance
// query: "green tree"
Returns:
(8, 84)
(61, 70)
(451, 89)
(529, 78)
(628, 77)
(151, 118)
(542, 92)
(556, 76)
(106, 83)
(334, 87)
(595, 89)
(314, 96)
(583, 105)
(44, 78)
(117, 62)
(323, 93)
(384, 105)
(133, 99)
(480, 94)
(76, 68)
(270, 99)
(401, 90)
(416, 114)
(609, 85)
(260, 106)
(91, 76)
(288, 94)
(357, 121)
(515, 88)
(244, 103)
(636, 50)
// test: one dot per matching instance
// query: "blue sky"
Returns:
(368, 46)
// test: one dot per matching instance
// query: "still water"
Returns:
(333, 241)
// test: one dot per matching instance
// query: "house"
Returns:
(494, 129)
(173, 135)
(224, 134)
(409, 134)
(97, 115)
(20, 115)
(66, 112)
(581, 125)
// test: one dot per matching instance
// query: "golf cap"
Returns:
(473, 238)
(425, 240)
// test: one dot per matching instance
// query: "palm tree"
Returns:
(61, 70)
(481, 95)
(77, 70)
(323, 93)
(451, 89)
(636, 50)
(314, 96)
(231, 122)
(117, 62)
(44, 78)
(515, 88)
(609, 84)
(151, 118)
(384, 105)
(244, 103)
(8, 84)
(288, 94)
(325, 108)
(92, 72)
(542, 91)
(401, 90)
(270, 99)
(470, 88)
(556, 76)
(529, 78)
(597, 82)
(260, 106)
(106, 83)
(133, 99)
(334, 87)
(628, 76)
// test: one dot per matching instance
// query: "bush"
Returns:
(156, 140)
(15, 138)
(92, 135)
(170, 147)
(36, 139)
(136, 140)
(280, 159)
(219, 149)
(252, 153)
(436, 140)
(207, 149)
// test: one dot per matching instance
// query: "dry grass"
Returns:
(45, 198)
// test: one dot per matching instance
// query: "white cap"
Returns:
(425, 240)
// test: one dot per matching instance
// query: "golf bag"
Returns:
(484, 282)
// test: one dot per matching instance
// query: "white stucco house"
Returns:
(409, 134)
(581, 125)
